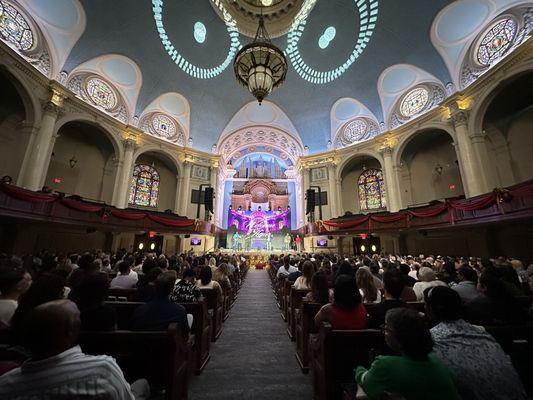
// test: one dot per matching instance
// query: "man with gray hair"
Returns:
(427, 279)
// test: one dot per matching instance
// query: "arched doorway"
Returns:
(83, 162)
(429, 168)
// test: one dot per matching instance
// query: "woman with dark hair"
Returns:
(367, 286)
(496, 305)
(206, 280)
(346, 311)
(304, 281)
(319, 289)
(415, 374)
(480, 368)
(345, 268)
(91, 295)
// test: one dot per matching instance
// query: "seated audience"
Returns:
(14, 281)
(159, 313)
(299, 265)
(467, 286)
(480, 368)
(57, 365)
(346, 311)
(427, 279)
(367, 286)
(415, 374)
(393, 284)
(495, 305)
(304, 281)
(91, 295)
(221, 275)
(146, 289)
(408, 279)
(319, 289)
(286, 268)
(206, 280)
(185, 290)
(124, 280)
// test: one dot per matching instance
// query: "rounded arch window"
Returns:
(355, 131)
(496, 41)
(163, 126)
(101, 94)
(14, 28)
(414, 102)
(371, 190)
(144, 188)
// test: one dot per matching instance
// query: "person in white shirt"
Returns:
(304, 281)
(427, 279)
(286, 269)
(124, 280)
(57, 367)
(14, 281)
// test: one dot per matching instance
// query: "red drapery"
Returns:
(177, 223)
(429, 212)
(348, 224)
(27, 195)
(79, 206)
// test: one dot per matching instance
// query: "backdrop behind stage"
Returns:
(259, 230)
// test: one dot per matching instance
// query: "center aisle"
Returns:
(253, 358)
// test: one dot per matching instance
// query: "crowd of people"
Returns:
(47, 299)
(447, 345)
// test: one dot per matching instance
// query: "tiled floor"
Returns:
(254, 358)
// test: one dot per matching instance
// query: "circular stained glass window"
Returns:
(101, 93)
(355, 131)
(163, 126)
(414, 102)
(496, 41)
(14, 28)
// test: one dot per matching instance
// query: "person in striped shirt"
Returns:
(58, 369)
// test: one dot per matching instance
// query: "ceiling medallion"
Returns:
(260, 66)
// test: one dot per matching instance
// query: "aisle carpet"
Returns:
(254, 358)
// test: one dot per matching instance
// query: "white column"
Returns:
(43, 144)
(177, 199)
(305, 186)
(332, 195)
(391, 179)
(488, 172)
(214, 181)
(338, 187)
(125, 176)
(471, 170)
(185, 194)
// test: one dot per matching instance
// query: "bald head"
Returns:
(51, 328)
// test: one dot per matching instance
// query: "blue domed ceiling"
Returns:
(401, 36)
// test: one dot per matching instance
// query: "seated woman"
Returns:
(206, 280)
(367, 286)
(304, 281)
(415, 374)
(185, 290)
(91, 295)
(221, 275)
(346, 311)
(319, 289)
(479, 366)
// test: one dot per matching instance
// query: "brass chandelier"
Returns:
(260, 66)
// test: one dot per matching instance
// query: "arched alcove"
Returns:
(167, 172)
(83, 162)
(429, 169)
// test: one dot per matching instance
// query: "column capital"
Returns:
(386, 151)
(51, 108)
(459, 117)
(129, 144)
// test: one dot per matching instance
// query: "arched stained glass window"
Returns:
(355, 131)
(164, 126)
(144, 189)
(414, 102)
(496, 41)
(371, 190)
(14, 28)
(101, 93)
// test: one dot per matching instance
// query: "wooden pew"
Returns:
(159, 357)
(121, 294)
(305, 326)
(214, 305)
(285, 293)
(201, 328)
(337, 354)
(295, 303)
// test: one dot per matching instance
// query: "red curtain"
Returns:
(177, 223)
(27, 195)
(431, 212)
(127, 215)
(387, 219)
(477, 204)
(79, 206)
(347, 224)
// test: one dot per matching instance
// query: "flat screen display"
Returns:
(322, 243)
(196, 241)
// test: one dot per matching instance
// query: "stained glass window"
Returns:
(371, 190)
(14, 28)
(101, 93)
(496, 41)
(164, 126)
(414, 102)
(355, 131)
(144, 189)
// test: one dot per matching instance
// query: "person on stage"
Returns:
(298, 243)
(236, 241)
(287, 241)
(269, 241)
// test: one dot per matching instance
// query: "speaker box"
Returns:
(310, 201)
(208, 198)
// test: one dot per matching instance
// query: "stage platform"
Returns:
(258, 258)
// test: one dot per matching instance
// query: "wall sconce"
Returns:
(72, 162)
(438, 169)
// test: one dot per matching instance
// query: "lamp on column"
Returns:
(438, 169)
(72, 162)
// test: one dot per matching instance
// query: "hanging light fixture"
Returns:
(72, 162)
(260, 66)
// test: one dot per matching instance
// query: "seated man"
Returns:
(159, 313)
(57, 366)
(394, 284)
(124, 280)
(415, 374)
(480, 368)
(14, 281)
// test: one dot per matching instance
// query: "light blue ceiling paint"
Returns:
(461, 20)
(120, 71)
